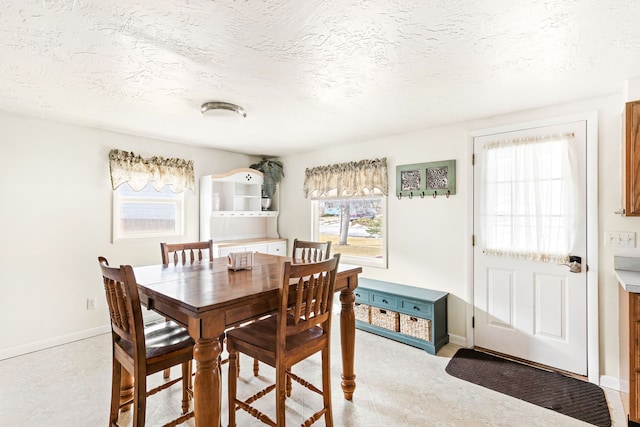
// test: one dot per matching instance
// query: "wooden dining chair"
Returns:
(311, 251)
(301, 328)
(183, 252)
(142, 350)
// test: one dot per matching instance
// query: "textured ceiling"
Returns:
(308, 72)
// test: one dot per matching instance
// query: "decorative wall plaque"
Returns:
(426, 179)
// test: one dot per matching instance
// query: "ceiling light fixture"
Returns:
(216, 105)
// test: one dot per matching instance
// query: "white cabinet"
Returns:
(236, 191)
(227, 248)
(231, 214)
(270, 246)
(277, 248)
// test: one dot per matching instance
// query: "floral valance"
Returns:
(362, 178)
(138, 172)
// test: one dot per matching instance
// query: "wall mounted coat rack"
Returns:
(422, 180)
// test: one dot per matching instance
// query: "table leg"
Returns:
(207, 387)
(348, 342)
(126, 389)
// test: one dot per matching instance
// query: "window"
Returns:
(349, 209)
(146, 213)
(355, 226)
(528, 205)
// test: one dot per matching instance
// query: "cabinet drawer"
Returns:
(361, 295)
(228, 249)
(386, 319)
(262, 248)
(362, 312)
(277, 248)
(416, 327)
(417, 308)
(383, 301)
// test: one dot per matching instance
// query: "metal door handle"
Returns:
(575, 264)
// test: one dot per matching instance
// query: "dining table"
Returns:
(208, 298)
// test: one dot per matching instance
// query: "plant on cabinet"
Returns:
(273, 172)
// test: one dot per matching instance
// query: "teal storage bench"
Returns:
(411, 315)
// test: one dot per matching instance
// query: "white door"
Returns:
(529, 212)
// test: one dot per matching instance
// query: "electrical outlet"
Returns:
(624, 239)
(91, 303)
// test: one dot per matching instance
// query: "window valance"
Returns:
(138, 172)
(362, 178)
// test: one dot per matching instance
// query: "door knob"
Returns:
(575, 264)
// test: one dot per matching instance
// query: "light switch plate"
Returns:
(623, 239)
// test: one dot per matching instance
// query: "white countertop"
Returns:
(627, 271)
(629, 280)
(253, 241)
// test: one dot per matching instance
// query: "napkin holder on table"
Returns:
(240, 261)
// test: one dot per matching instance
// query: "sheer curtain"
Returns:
(528, 199)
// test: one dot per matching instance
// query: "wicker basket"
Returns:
(415, 327)
(362, 312)
(385, 319)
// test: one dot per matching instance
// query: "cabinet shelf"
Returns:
(231, 212)
(265, 214)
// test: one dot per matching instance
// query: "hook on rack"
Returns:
(422, 194)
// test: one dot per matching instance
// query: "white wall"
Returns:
(429, 239)
(426, 237)
(55, 220)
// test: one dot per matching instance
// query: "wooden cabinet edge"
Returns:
(631, 162)
(629, 352)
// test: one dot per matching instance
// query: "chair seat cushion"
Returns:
(262, 332)
(162, 338)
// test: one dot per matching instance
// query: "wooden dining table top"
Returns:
(205, 286)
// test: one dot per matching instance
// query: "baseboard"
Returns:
(148, 316)
(610, 382)
(52, 342)
(458, 340)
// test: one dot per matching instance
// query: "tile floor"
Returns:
(397, 385)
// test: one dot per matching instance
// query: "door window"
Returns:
(528, 204)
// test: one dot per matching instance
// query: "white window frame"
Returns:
(118, 199)
(351, 259)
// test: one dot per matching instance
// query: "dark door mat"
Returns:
(569, 396)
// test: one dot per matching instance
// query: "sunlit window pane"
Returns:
(354, 226)
(147, 212)
(527, 205)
